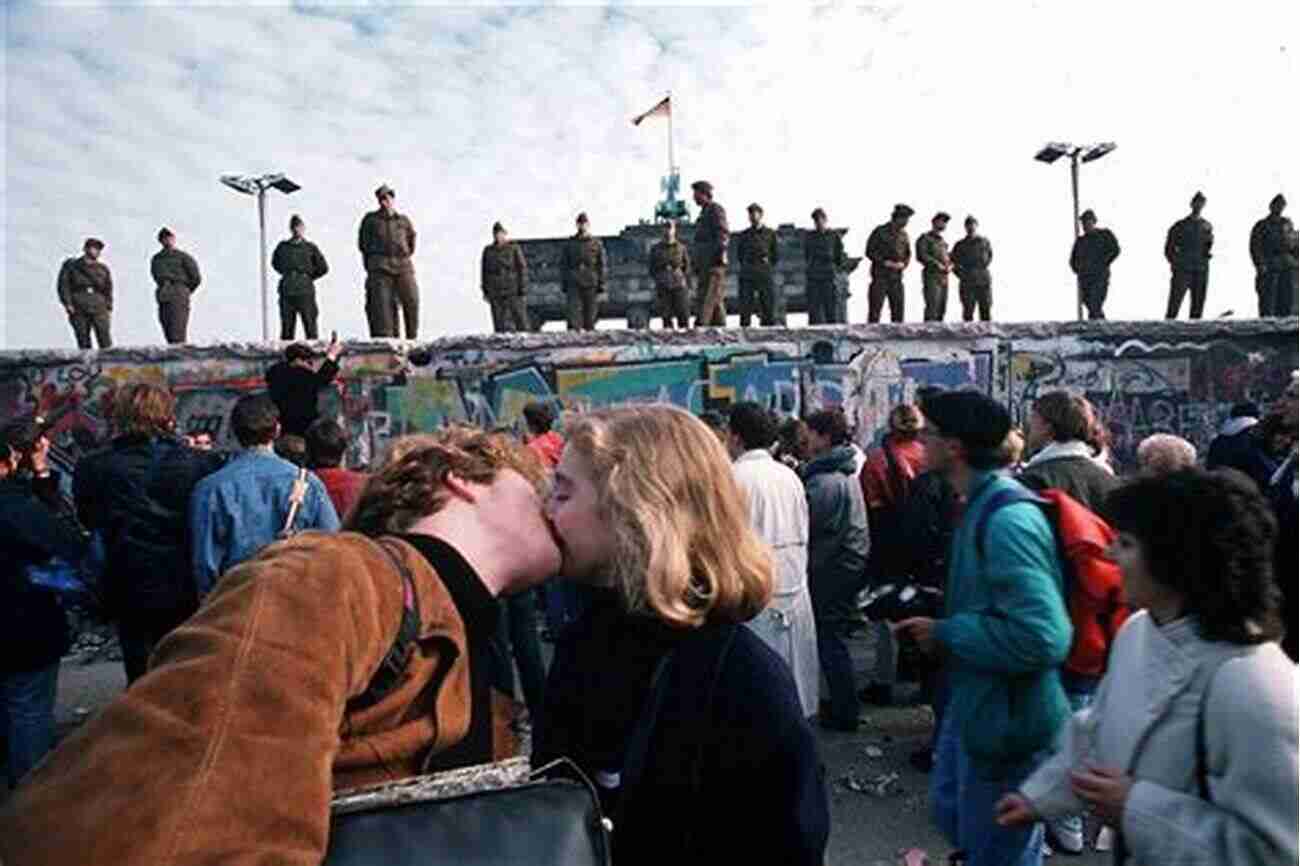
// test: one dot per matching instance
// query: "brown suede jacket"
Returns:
(232, 746)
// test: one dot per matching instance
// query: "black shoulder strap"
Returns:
(392, 670)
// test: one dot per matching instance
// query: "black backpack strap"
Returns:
(392, 670)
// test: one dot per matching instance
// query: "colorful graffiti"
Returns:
(1141, 378)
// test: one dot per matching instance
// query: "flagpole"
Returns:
(670, 132)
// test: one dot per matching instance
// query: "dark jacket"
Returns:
(504, 270)
(582, 263)
(761, 797)
(971, 257)
(299, 264)
(80, 275)
(1188, 244)
(927, 524)
(1244, 452)
(758, 251)
(1273, 244)
(823, 254)
(137, 494)
(1093, 252)
(33, 628)
(888, 243)
(387, 242)
(838, 542)
(711, 238)
(296, 391)
(1080, 477)
(175, 267)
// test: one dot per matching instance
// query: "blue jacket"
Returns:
(240, 509)
(1006, 631)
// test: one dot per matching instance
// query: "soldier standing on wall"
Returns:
(1090, 259)
(300, 264)
(1273, 250)
(1187, 247)
(756, 247)
(889, 250)
(971, 257)
(710, 254)
(387, 242)
(176, 275)
(823, 256)
(505, 282)
(670, 267)
(582, 269)
(86, 292)
(932, 253)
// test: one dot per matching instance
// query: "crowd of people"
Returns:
(290, 631)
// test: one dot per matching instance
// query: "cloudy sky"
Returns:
(120, 117)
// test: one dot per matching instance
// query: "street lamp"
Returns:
(250, 185)
(1054, 150)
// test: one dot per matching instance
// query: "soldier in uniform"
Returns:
(756, 247)
(970, 258)
(505, 282)
(176, 275)
(1090, 259)
(932, 253)
(300, 264)
(1187, 247)
(387, 242)
(710, 254)
(889, 250)
(670, 267)
(823, 256)
(1273, 250)
(582, 269)
(86, 292)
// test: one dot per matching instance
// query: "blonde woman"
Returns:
(646, 511)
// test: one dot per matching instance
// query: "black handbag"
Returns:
(539, 820)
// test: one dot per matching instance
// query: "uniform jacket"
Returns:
(80, 274)
(1069, 466)
(1188, 244)
(888, 244)
(136, 493)
(386, 241)
(823, 253)
(296, 392)
(173, 267)
(670, 265)
(838, 542)
(504, 270)
(778, 511)
(932, 253)
(241, 508)
(1093, 252)
(299, 264)
(1143, 720)
(758, 251)
(229, 749)
(971, 257)
(711, 237)
(582, 263)
(1273, 244)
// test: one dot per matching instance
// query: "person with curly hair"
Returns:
(1189, 749)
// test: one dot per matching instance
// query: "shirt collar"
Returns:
(754, 454)
(477, 607)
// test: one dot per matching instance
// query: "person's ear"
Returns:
(460, 488)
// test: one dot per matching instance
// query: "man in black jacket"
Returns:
(136, 494)
(33, 628)
(295, 384)
(1239, 447)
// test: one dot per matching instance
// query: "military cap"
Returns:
(703, 186)
(818, 212)
(165, 232)
(497, 227)
(385, 189)
(1087, 216)
(1200, 196)
(902, 210)
(970, 219)
(941, 215)
(582, 217)
(754, 206)
(92, 242)
(295, 220)
(1278, 199)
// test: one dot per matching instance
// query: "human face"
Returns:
(820, 223)
(169, 241)
(670, 232)
(938, 453)
(92, 253)
(1040, 432)
(512, 510)
(499, 237)
(1290, 405)
(971, 229)
(582, 528)
(756, 218)
(298, 230)
(386, 202)
(1141, 590)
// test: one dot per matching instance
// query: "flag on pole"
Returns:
(663, 107)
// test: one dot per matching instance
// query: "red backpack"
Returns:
(1093, 585)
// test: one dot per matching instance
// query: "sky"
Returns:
(119, 119)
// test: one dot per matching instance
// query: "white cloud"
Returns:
(119, 119)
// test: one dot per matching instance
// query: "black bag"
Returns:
(542, 821)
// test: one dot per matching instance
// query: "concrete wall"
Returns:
(1144, 376)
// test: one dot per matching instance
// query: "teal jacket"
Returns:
(1006, 632)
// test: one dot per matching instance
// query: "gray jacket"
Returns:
(837, 527)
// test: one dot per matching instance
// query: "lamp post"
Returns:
(1078, 153)
(258, 185)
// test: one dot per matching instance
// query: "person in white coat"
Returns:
(1190, 747)
(778, 510)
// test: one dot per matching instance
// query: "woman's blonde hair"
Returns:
(685, 548)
